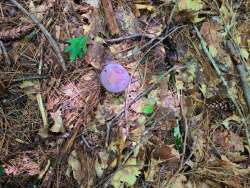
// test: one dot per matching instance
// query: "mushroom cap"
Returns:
(114, 78)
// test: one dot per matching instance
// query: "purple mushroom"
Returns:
(114, 78)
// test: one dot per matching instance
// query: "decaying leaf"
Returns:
(127, 175)
(58, 122)
(194, 5)
(191, 6)
(75, 166)
(95, 55)
(101, 164)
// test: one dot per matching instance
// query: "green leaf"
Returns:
(77, 47)
(1, 171)
(148, 109)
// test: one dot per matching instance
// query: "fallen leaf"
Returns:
(101, 163)
(166, 153)
(77, 47)
(75, 166)
(95, 55)
(194, 5)
(127, 174)
(58, 122)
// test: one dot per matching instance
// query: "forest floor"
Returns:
(181, 121)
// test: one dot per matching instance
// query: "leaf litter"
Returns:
(174, 126)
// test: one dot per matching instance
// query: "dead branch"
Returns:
(110, 17)
(45, 32)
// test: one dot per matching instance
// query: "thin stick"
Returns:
(45, 32)
(5, 53)
(134, 36)
(161, 40)
(217, 70)
(185, 136)
(31, 77)
(43, 132)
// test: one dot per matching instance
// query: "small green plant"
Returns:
(177, 137)
(77, 47)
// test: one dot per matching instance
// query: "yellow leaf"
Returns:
(203, 89)
(58, 122)
(101, 165)
(147, 7)
(196, 19)
(193, 5)
(244, 53)
(75, 165)
(212, 50)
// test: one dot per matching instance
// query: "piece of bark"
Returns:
(110, 17)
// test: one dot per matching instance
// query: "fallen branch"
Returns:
(45, 32)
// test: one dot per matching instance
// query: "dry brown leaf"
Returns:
(166, 153)
(229, 141)
(95, 55)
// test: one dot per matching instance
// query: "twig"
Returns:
(161, 40)
(150, 43)
(43, 132)
(45, 32)
(86, 142)
(32, 77)
(5, 53)
(185, 136)
(217, 70)
(134, 36)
